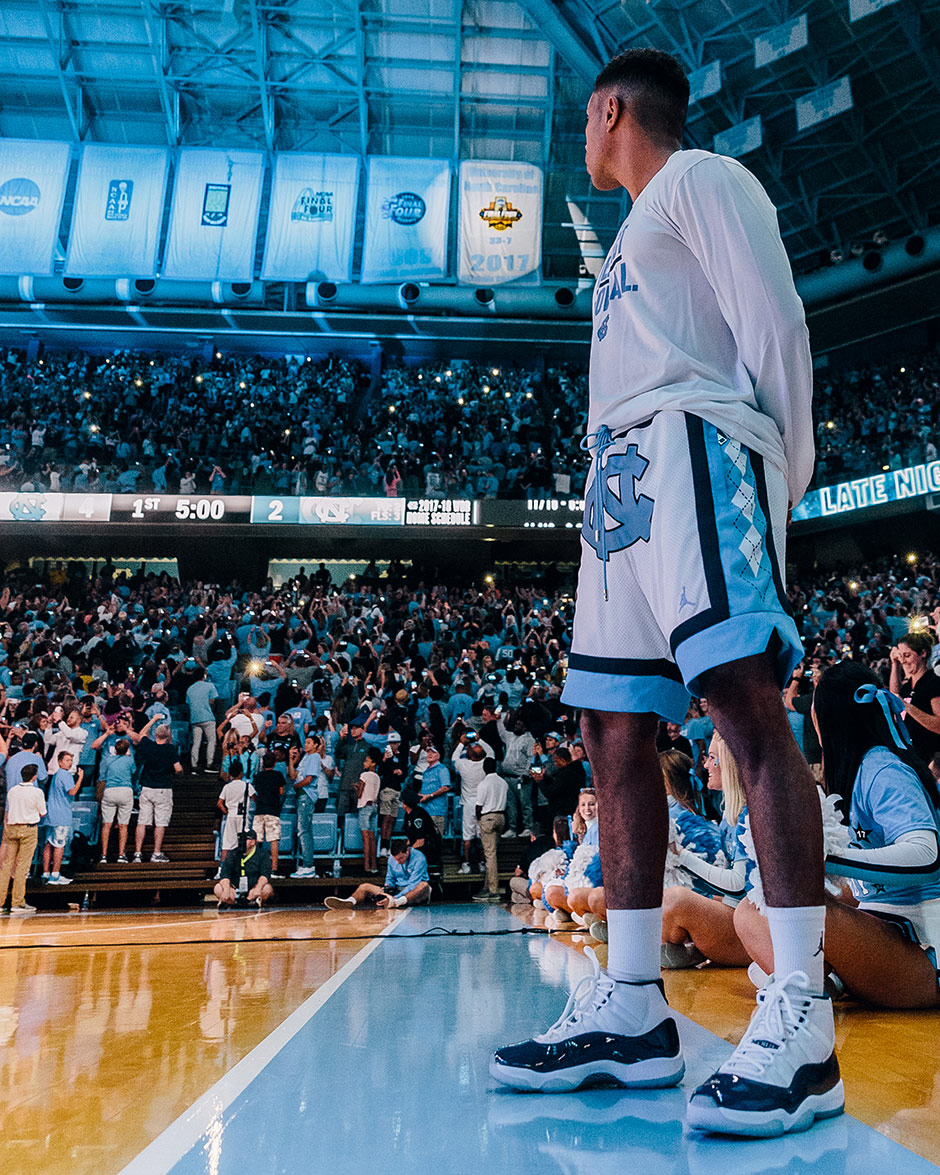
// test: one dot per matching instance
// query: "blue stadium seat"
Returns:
(352, 836)
(325, 833)
(85, 819)
(285, 845)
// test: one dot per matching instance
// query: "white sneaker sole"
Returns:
(332, 903)
(704, 1114)
(656, 1073)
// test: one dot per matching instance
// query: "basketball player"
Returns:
(700, 432)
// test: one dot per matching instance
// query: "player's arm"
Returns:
(728, 222)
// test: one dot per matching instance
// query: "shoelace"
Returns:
(600, 441)
(778, 1016)
(590, 992)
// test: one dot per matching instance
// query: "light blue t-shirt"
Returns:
(17, 762)
(199, 698)
(311, 765)
(118, 770)
(888, 800)
(59, 802)
(433, 778)
(302, 719)
(403, 878)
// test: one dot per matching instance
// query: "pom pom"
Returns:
(576, 877)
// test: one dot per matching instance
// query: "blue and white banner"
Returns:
(826, 102)
(312, 218)
(118, 210)
(500, 221)
(32, 187)
(705, 81)
(781, 41)
(214, 222)
(740, 139)
(407, 205)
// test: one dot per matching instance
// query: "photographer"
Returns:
(246, 874)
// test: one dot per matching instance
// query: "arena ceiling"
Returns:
(505, 79)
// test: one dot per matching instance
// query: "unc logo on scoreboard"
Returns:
(120, 194)
(313, 207)
(405, 208)
(19, 196)
(500, 214)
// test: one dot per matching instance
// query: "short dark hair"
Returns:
(122, 746)
(655, 84)
(29, 771)
(398, 845)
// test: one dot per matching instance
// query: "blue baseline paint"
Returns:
(392, 1074)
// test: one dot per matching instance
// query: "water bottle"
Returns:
(337, 867)
(85, 902)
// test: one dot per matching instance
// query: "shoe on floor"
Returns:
(103, 861)
(305, 871)
(22, 911)
(526, 832)
(58, 879)
(383, 852)
(159, 858)
(598, 930)
(485, 896)
(333, 903)
(609, 1031)
(560, 921)
(464, 868)
(509, 832)
(677, 956)
(122, 859)
(46, 876)
(783, 1075)
(138, 859)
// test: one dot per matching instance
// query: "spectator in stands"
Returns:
(351, 752)
(117, 798)
(269, 787)
(159, 761)
(421, 832)
(468, 761)
(435, 785)
(245, 875)
(367, 793)
(56, 824)
(26, 755)
(199, 697)
(234, 802)
(491, 819)
(392, 768)
(25, 807)
(406, 882)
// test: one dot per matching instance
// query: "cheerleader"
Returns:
(880, 940)
(697, 927)
(571, 895)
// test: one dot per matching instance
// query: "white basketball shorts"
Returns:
(681, 550)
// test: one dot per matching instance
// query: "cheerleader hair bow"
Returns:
(892, 707)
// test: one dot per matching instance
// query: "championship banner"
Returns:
(407, 205)
(118, 211)
(312, 218)
(214, 220)
(32, 187)
(500, 221)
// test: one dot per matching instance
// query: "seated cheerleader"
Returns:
(701, 836)
(882, 949)
(697, 927)
(527, 884)
(570, 895)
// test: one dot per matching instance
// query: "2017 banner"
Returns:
(312, 218)
(32, 187)
(214, 222)
(118, 210)
(407, 204)
(500, 221)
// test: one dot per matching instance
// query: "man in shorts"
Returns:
(159, 761)
(700, 434)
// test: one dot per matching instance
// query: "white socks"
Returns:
(797, 934)
(634, 938)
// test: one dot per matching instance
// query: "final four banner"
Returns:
(407, 205)
(214, 220)
(312, 218)
(500, 221)
(32, 188)
(118, 210)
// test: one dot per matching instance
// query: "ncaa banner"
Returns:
(214, 220)
(32, 187)
(312, 218)
(118, 211)
(407, 205)
(500, 221)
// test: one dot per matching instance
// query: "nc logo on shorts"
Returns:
(633, 515)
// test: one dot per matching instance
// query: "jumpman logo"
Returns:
(684, 601)
(819, 949)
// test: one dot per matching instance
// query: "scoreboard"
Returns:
(206, 510)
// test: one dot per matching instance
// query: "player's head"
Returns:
(643, 92)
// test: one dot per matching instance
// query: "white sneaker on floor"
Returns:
(333, 903)
(60, 880)
(22, 911)
(509, 832)
(464, 868)
(526, 832)
(783, 1075)
(609, 1031)
(383, 852)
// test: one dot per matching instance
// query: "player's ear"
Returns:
(613, 111)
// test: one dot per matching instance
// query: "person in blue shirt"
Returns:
(199, 697)
(406, 882)
(884, 949)
(117, 799)
(28, 754)
(57, 822)
(435, 786)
